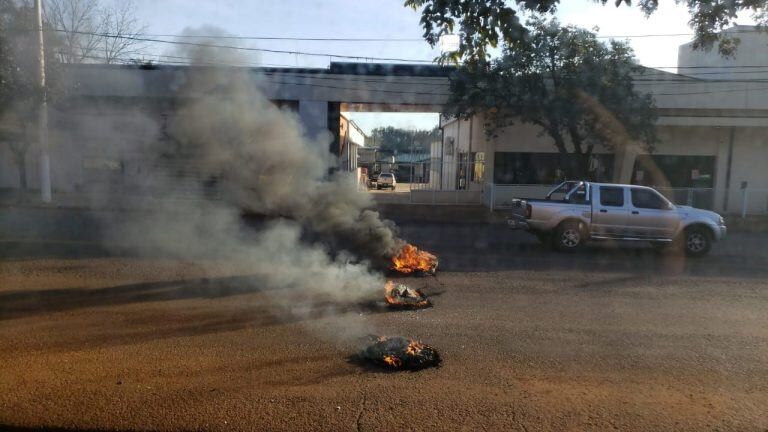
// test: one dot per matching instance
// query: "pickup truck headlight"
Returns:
(721, 221)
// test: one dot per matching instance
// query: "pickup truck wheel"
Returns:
(569, 237)
(697, 241)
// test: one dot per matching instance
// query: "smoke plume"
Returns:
(265, 162)
(321, 230)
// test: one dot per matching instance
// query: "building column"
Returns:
(314, 117)
(333, 124)
(624, 164)
(724, 193)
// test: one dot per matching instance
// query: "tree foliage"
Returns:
(577, 89)
(19, 89)
(403, 140)
(484, 23)
(94, 32)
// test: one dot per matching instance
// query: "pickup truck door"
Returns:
(610, 212)
(651, 216)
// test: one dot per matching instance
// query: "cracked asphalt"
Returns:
(612, 338)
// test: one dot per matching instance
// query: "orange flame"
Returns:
(414, 348)
(411, 259)
(392, 361)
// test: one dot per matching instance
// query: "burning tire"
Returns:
(400, 296)
(399, 353)
(412, 260)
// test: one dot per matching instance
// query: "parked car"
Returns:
(386, 180)
(602, 211)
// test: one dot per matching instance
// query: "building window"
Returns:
(478, 172)
(545, 168)
(677, 171)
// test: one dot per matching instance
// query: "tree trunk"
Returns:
(581, 159)
(23, 176)
(21, 164)
(564, 160)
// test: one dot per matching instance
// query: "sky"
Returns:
(388, 19)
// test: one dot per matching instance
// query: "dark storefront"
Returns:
(545, 168)
(684, 179)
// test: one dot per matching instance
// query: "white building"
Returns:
(749, 62)
(351, 139)
(713, 142)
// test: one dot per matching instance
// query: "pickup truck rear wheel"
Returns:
(569, 237)
(697, 241)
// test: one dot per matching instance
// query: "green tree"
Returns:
(490, 23)
(577, 89)
(19, 93)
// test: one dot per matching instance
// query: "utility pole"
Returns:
(45, 157)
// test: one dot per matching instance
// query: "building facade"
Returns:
(713, 142)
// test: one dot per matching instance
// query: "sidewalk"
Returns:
(399, 212)
(82, 201)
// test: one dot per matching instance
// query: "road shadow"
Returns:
(10, 428)
(164, 320)
(16, 304)
(11, 250)
(25, 303)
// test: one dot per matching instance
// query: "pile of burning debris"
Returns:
(400, 296)
(411, 260)
(399, 353)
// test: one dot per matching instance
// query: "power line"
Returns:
(286, 38)
(710, 92)
(707, 73)
(709, 67)
(233, 47)
(652, 35)
(361, 39)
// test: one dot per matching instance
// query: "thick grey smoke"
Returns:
(260, 160)
(264, 160)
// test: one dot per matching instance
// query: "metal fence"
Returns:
(435, 182)
(695, 197)
(746, 201)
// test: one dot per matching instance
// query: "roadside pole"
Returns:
(744, 197)
(45, 158)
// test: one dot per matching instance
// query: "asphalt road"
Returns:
(612, 338)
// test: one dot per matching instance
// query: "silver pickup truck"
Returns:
(577, 211)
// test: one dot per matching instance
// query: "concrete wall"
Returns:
(709, 64)
(750, 159)
(748, 162)
(313, 115)
(356, 135)
(468, 137)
